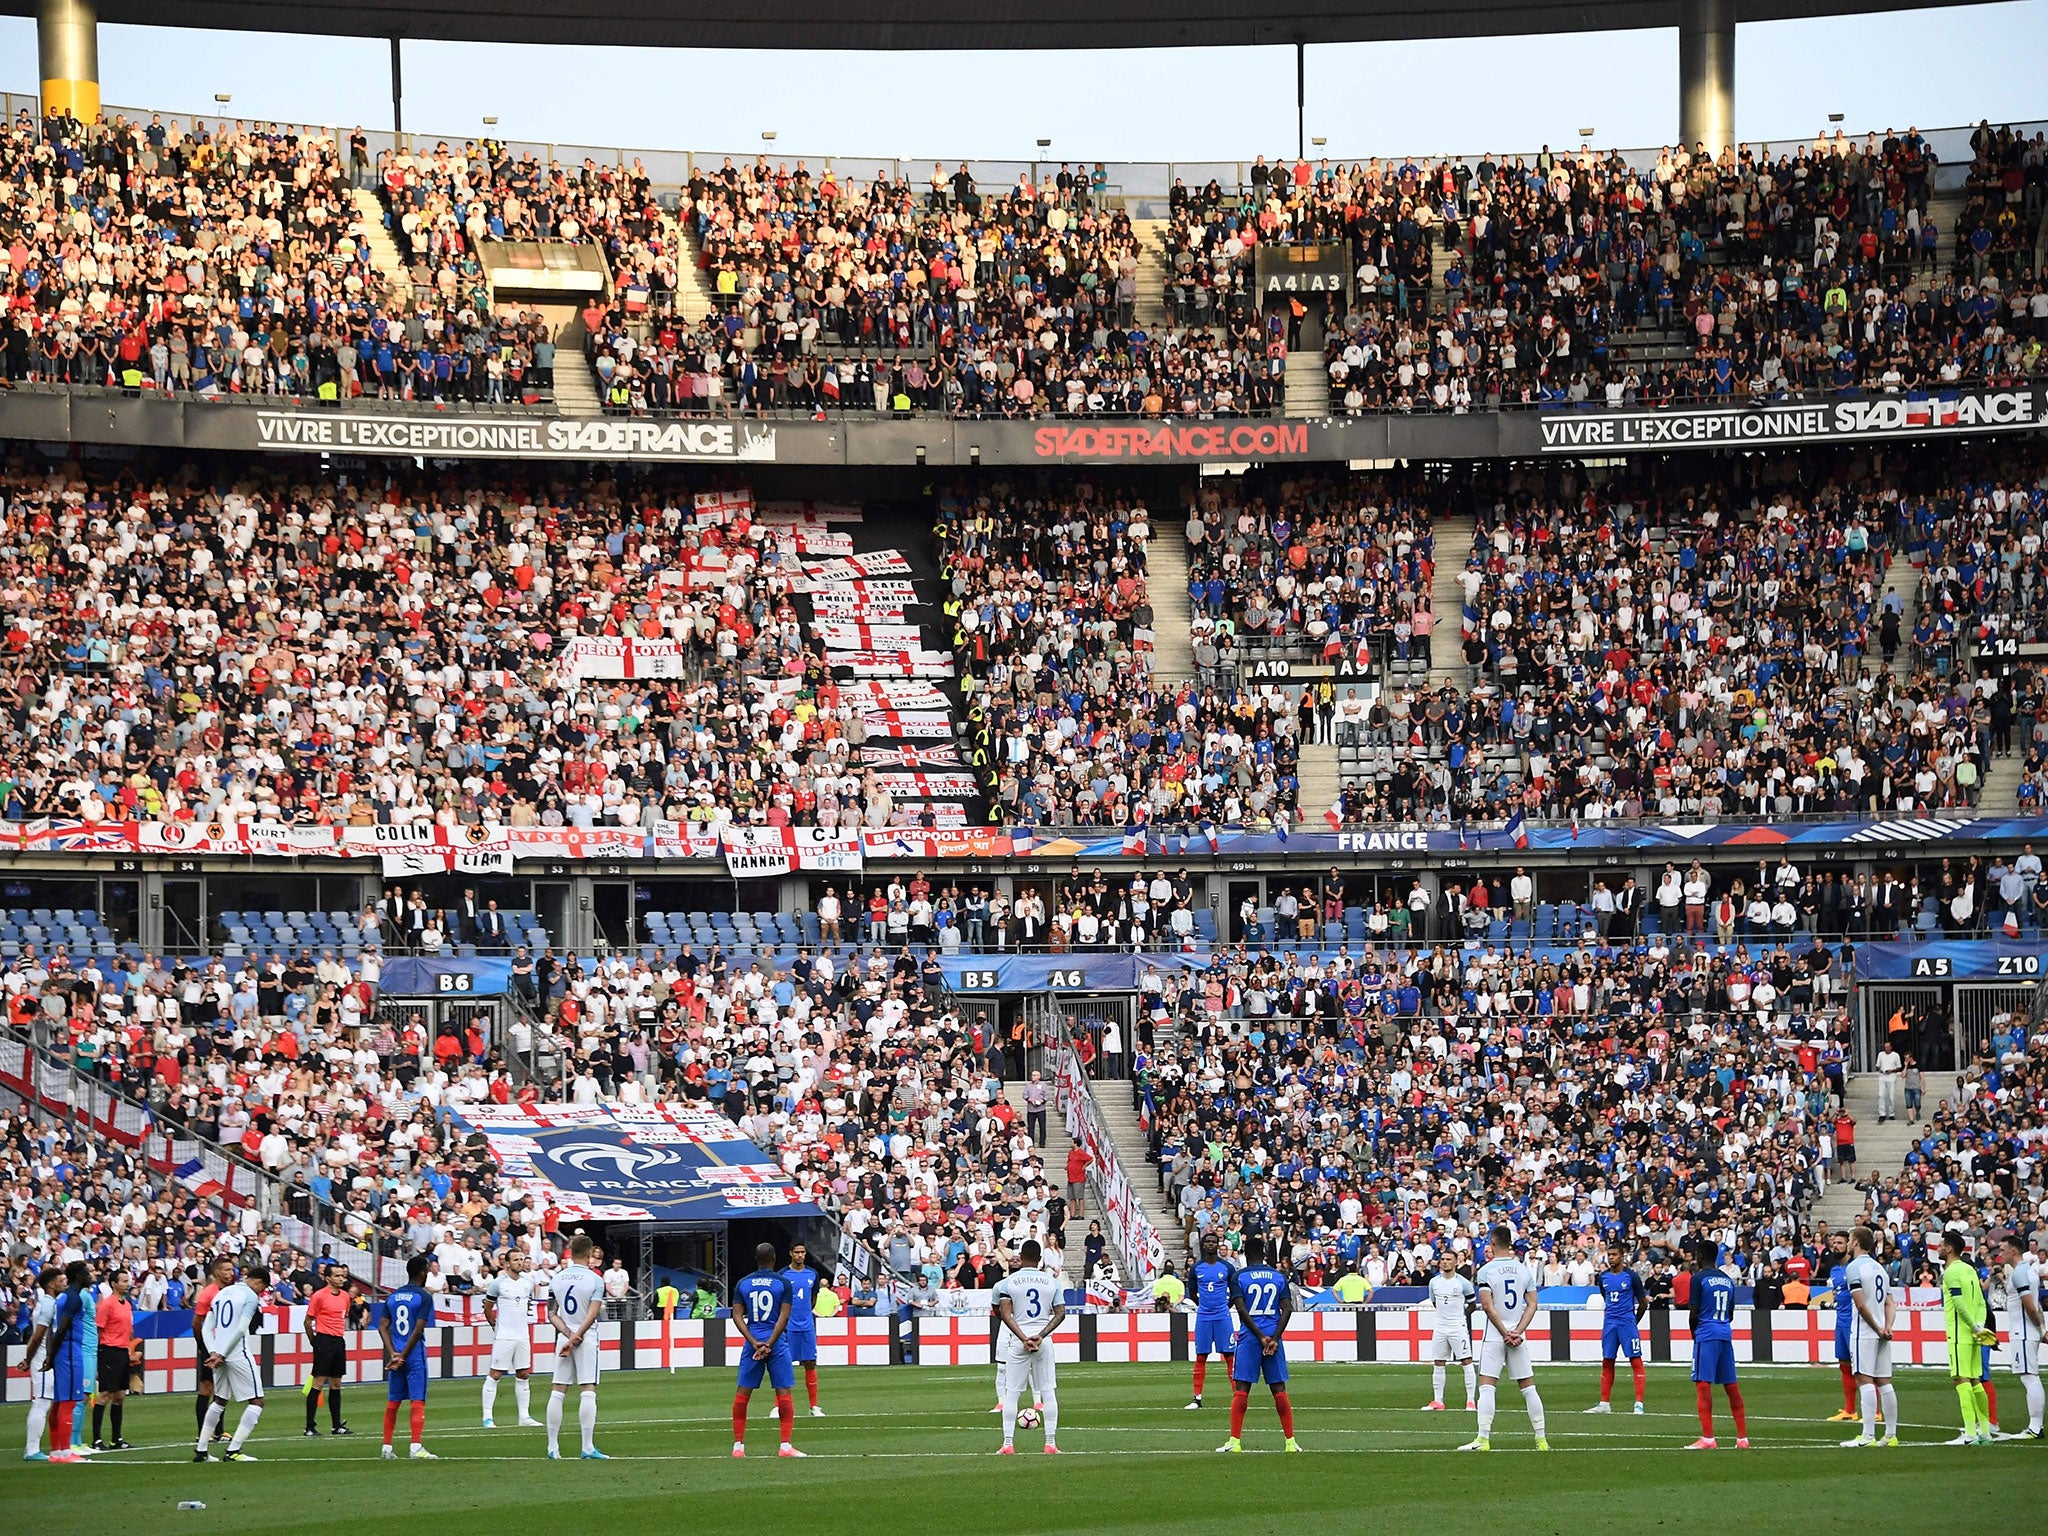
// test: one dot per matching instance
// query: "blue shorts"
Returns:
(1713, 1361)
(1621, 1340)
(1987, 1364)
(1214, 1335)
(1249, 1363)
(409, 1384)
(802, 1343)
(777, 1368)
(1843, 1354)
(67, 1371)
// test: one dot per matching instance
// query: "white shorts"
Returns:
(1502, 1363)
(578, 1368)
(2026, 1352)
(42, 1384)
(1015, 1372)
(236, 1378)
(1868, 1354)
(512, 1352)
(1451, 1344)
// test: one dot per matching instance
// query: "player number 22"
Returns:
(1261, 1298)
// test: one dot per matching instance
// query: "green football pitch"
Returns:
(906, 1451)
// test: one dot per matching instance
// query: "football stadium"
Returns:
(1349, 832)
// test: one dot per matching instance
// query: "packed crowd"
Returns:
(1632, 647)
(884, 1106)
(1814, 270)
(1336, 566)
(839, 293)
(262, 647)
(1977, 1159)
(228, 260)
(1055, 642)
(1368, 1110)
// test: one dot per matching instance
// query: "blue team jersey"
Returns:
(1260, 1291)
(406, 1311)
(1714, 1296)
(1212, 1288)
(803, 1285)
(1845, 1308)
(1622, 1291)
(67, 1325)
(759, 1299)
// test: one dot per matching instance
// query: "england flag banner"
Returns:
(715, 507)
(894, 663)
(608, 657)
(810, 512)
(753, 852)
(844, 635)
(875, 562)
(863, 596)
(656, 1162)
(943, 755)
(930, 786)
(913, 725)
(950, 814)
(894, 693)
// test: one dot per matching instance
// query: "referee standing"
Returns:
(115, 1316)
(326, 1322)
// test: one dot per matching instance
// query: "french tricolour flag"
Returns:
(1335, 814)
(1134, 835)
(1517, 831)
(193, 1175)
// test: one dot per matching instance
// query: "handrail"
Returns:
(239, 1177)
(1133, 181)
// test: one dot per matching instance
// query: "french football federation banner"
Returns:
(619, 1162)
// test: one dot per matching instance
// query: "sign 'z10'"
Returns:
(515, 437)
(1995, 410)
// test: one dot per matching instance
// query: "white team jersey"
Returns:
(1512, 1283)
(1033, 1294)
(233, 1321)
(574, 1292)
(1451, 1297)
(44, 1317)
(514, 1298)
(2025, 1281)
(1869, 1285)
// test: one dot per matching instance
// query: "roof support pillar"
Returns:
(68, 49)
(1706, 74)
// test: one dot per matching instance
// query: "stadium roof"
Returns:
(936, 24)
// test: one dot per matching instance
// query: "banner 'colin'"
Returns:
(657, 1162)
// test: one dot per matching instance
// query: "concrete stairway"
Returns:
(1121, 1121)
(383, 249)
(1054, 1156)
(1321, 782)
(1447, 600)
(2000, 793)
(1308, 387)
(576, 391)
(694, 293)
(1880, 1149)
(1166, 583)
(1152, 271)
(1901, 579)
